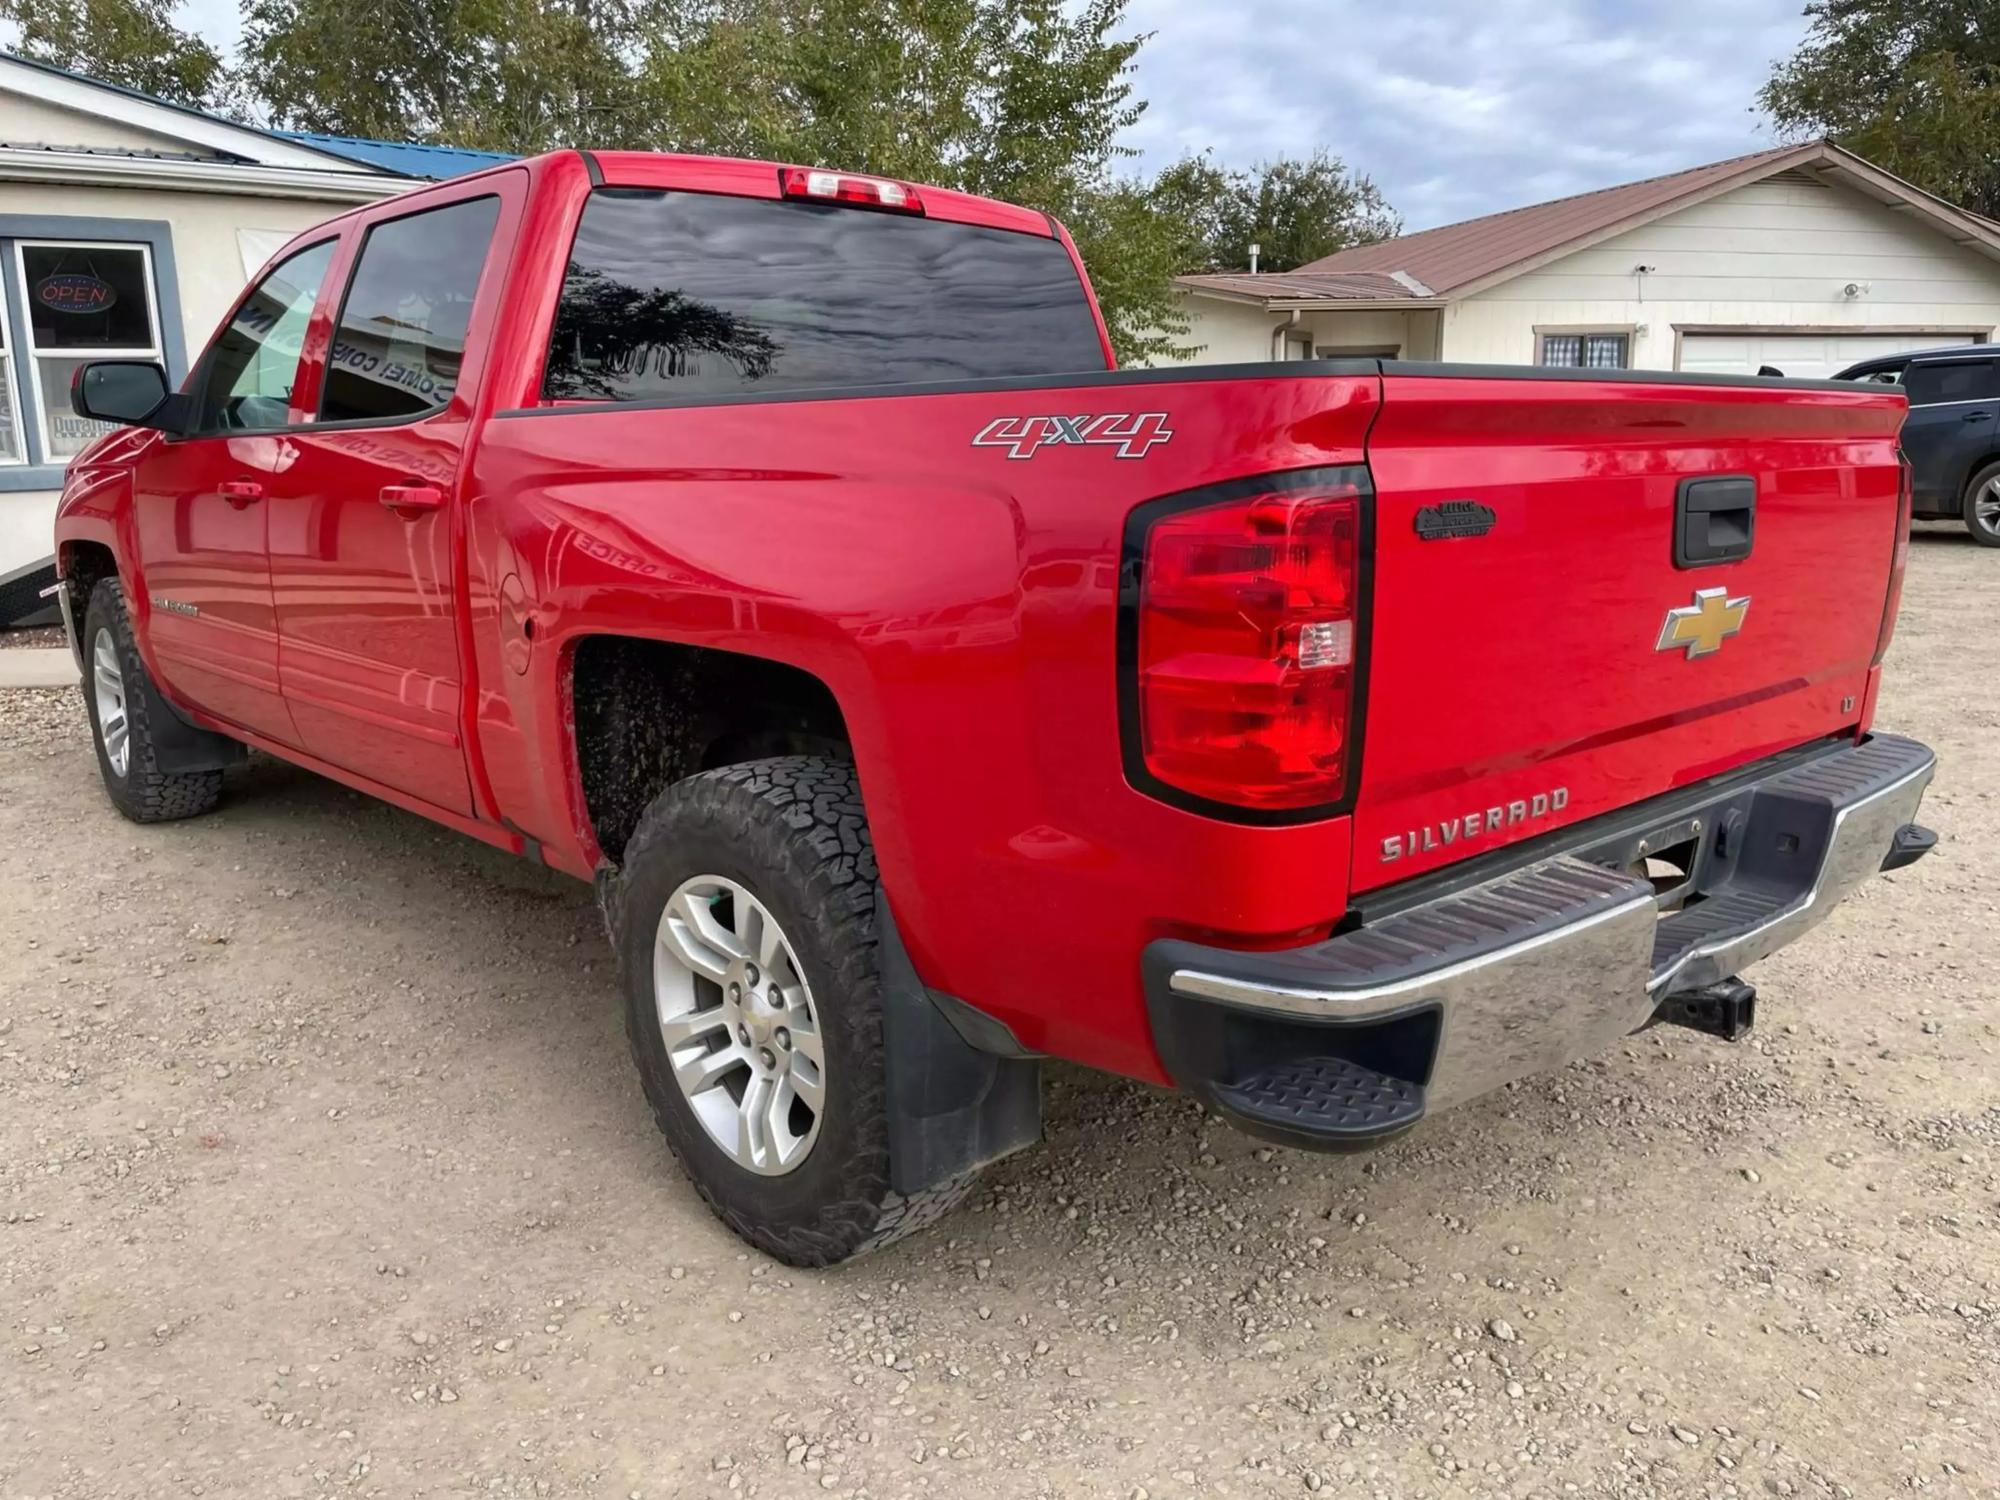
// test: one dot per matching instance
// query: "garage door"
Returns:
(1807, 355)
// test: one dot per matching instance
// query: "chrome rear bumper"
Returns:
(1534, 968)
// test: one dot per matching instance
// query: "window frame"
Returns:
(204, 370)
(1585, 332)
(537, 400)
(347, 264)
(1991, 362)
(25, 458)
(35, 354)
(40, 470)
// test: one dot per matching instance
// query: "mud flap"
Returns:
(178, 745)
(952, 1107)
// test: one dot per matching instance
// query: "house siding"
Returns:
(1773, 254)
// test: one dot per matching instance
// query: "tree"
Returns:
(1017, 99)
(504, 75)
(1913, 85)
(1296, 210)
(134, 43)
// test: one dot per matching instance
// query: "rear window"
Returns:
(1962, 380)
(695, 294)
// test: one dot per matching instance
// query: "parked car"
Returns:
(1952, 436)
(778, 549)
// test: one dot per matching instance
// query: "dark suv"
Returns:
(1952, 436)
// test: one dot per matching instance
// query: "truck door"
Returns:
(363, 528)
(200, 505)
(1953, 427)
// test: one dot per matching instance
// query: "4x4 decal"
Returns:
(1133, 434)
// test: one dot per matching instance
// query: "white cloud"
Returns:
(1461, 107)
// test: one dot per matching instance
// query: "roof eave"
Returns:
(243, 179)
(1965, 229)
(1280, 303)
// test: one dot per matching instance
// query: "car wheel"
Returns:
(754, 1006)
(1982, 506)
(123, 705)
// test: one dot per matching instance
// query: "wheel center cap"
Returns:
(762, 1015)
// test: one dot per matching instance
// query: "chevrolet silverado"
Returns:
(778, 549)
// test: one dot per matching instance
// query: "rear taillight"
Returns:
(1898, 560)
(821, 186)
(1245, 642)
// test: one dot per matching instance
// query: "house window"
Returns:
(1587, 351)
(84, 300)
(12, 449)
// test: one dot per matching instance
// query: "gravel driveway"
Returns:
(323, 1172)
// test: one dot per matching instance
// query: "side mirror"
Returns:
(129, 392)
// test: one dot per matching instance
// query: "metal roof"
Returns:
(1457, 260)
(431, 163)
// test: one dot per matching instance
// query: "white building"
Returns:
(1804, 258)
(128, 226)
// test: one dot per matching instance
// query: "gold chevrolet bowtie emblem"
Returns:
(1704, 625)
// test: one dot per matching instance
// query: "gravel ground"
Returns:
(32, 637)
(323, 1172)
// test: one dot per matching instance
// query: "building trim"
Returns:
(239, 179)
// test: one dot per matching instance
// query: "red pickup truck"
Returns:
(778, 549)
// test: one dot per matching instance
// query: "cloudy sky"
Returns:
(1454, 107)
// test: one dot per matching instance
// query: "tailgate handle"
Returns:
(1715, 520)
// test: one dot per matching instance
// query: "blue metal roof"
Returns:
(431, 163)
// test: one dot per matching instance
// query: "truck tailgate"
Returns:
(1528, 669)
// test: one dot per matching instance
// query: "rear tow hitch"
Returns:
(1727, 1010)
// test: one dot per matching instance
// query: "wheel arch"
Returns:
(643, 713)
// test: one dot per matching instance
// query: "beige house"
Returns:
(1805, 259)
(128, 226)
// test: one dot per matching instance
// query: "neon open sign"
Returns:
(75, 292)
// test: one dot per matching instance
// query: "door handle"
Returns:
(1978, 416)
(412, 501)
(240, 492)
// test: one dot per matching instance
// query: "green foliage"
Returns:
(505, 75)
(1025, 100)
(130, 42)
(1913, 85)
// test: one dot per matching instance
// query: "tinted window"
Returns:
(692, 294)
(401, 338)
(248, 382)
(1961, 380)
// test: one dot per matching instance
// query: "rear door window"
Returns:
(400, 341)
(1936, 382)
(693, 294)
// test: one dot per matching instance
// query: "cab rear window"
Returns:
(692, 294)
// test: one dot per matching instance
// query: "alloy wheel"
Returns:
(107, 685)
(736, 1015)
(1986, 508)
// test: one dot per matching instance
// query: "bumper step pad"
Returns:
(1324, 1100)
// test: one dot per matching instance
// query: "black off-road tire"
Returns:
(791, 831)
(144, 793)
(1984, 532)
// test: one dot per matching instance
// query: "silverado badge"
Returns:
(1704, 625)
(1454, 518)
